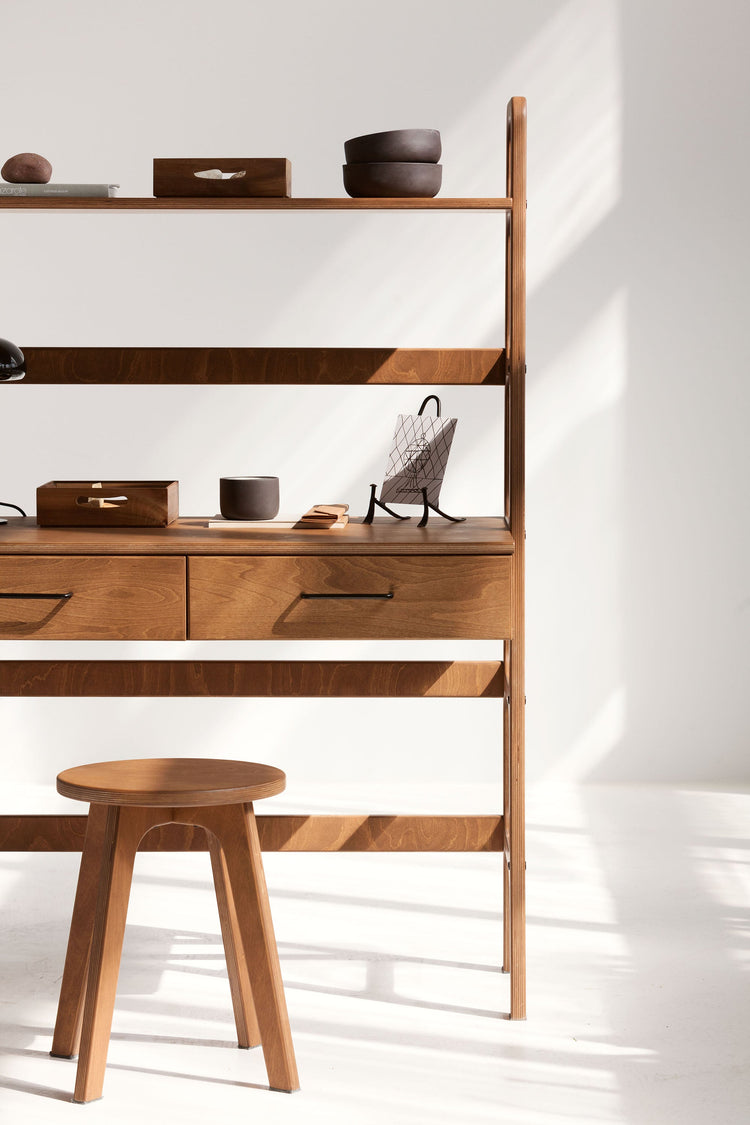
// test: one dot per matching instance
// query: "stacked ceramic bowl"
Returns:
(400, 164)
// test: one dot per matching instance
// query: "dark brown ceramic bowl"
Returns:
(421, 146)
(249, 498)
(392, 180)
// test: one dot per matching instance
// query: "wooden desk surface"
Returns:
(485, 535)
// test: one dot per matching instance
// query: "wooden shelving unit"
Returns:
(479, 564)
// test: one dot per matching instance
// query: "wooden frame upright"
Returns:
(514, 874)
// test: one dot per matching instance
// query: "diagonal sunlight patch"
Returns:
(602, 735)
(573, 81)
(586, 378)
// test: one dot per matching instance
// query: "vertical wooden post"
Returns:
(515, 437)
(507, 956)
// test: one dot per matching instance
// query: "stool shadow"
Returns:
(25, 1087)
(378, 969)
(34, 1088)
(190, 1077)
(38, 1090)
(335, 899)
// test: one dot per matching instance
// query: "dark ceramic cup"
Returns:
(249, 498)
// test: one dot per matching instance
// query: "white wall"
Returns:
(638, 588)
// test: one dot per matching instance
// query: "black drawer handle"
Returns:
(56, 597)
(381, 596)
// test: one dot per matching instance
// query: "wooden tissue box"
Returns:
(107, 503)
(254, 177)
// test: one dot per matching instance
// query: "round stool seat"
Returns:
(163, 782)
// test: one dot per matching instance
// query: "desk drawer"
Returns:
(411, 597)
(111, 597)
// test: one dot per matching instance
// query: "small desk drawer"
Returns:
(111, 597)
(358, 597)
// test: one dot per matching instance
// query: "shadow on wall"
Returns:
(686, 550)
(577, 386)
(638, 639)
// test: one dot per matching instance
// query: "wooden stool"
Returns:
(127, 799)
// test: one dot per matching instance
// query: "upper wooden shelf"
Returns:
(271, 366)
(123, 203)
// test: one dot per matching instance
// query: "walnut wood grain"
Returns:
(99, 918)
(338, 203)
(174, 177)
(351, 597)
(399, 833)
(243, 1005)
(236, 832)
(113, 598)
(111, 503)
(267, 366)
(123, 831)
(507, 949)
(67, 1034)
(261, 678)
(515, 342)
(160, 782)
(479, 535)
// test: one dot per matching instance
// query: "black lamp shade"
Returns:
(12, 363)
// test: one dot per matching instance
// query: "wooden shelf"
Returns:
(280, 834)
(269, 679)
(124, 203)
(265, 366)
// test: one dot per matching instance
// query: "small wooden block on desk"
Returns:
(263, 177)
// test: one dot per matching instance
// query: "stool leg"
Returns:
(67, 1034)
(237, 832)
(124, 829)
(246, 1021)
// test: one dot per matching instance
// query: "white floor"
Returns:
(639, 932)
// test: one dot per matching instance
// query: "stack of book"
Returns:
(321, 517)
(80, 191)
(325, 517)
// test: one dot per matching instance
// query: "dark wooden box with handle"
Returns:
(107, 503)
(223, 177)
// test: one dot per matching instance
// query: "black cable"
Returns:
(5, 504)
